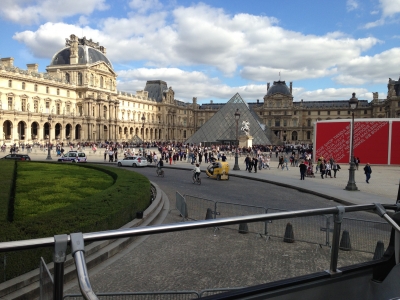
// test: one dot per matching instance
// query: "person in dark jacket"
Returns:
(303, 169)
(367, 171)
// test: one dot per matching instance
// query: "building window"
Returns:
(47, 107)
(184, 134)
(23, 85)
(285, 122)
(36, 88)
(319, 113)
(101, 81)
(380, 108)
(285, 113)
(92, 111)
(67, 77)
(36, 106)
(68, 109)
(23, 105)
(309, 123)
(338, 112)
(105, 112)
(308, 135)
(47, 89)
(398, 104)
(295, 112)
(80, 81)
(294, 122)
(365, 112)
(67, 93)
(309, 112)
(269, 123)
(329, 112)
(10, 103)
(269, 113)
(261, 113)
(277, 123)
(10, 83)
(91, 79)
(58, 107)
(58, 91)
(110, 84)
(348, 112)
(79, 94)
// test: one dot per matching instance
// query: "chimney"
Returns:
(291, 87)
(267, 86)
(258, 101)
(8, 61)
(33, 68)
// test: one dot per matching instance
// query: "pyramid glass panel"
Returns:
(221, 128)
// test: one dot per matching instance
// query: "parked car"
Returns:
(17, 157)
(132, 161)
(73, 156)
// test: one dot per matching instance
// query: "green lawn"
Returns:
(53, 186)
(52, 198)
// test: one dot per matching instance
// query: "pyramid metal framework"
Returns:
(136, 140)
(221, 128)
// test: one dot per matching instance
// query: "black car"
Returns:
(17, 157)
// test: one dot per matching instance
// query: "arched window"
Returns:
(80, 81)
(58, 91)
(36, 88)
(47, 89)
(10, 83)
(23, 85)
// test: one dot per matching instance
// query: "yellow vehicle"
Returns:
(218, 170)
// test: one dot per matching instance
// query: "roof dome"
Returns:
(279, 87)
(86, 55)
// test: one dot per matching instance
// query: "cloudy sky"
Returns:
(215, 48)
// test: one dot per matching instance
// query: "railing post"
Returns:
(266, 224)
(78, 252)
(59, 256)
(338, 218)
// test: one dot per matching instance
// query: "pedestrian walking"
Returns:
(367, 171)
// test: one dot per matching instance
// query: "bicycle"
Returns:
(196, 179)
(160, 172)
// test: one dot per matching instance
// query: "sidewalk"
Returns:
(383, 186)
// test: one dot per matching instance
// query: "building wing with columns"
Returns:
(79, 92)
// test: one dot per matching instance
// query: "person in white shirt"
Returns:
(197, 170)
(328, 169)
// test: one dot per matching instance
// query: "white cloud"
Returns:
(331, 94)
(351, 5)
(390, 7)
(47, 10)
(142, 6)
(370, 69)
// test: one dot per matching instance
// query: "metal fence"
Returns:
(46, 281)
(316, 229)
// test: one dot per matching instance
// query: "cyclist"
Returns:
(160, 165)
(196, 171)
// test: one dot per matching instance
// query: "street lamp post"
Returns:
(48, 146)
(351, 184)
(143, 120)
(237, 117)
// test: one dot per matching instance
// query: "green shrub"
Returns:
(55, 199)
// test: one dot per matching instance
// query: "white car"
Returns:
(133, 161)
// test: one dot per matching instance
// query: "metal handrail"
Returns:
(77, 240)
(156, 229)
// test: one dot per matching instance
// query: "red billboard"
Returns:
(375, 141)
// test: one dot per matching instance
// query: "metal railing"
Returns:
(77, 240)
(315, 229)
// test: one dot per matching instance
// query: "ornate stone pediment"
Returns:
(102, 66)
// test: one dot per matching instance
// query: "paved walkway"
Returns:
(383, 186)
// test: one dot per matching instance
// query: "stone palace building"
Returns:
(77, 100)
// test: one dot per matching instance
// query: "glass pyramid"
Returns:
(221, 128)
(136, 140)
